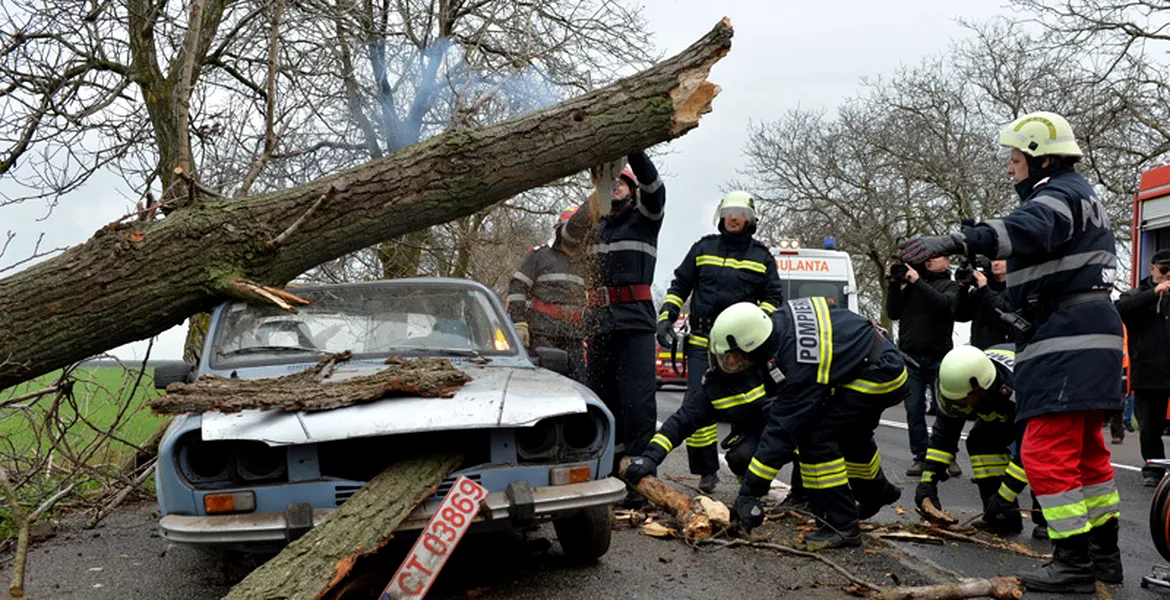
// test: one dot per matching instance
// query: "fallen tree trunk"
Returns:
(131, 281)
(689, 512)
(304, 391)
(1001, 588)
(321, 559)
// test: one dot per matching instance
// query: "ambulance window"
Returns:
(834, 291)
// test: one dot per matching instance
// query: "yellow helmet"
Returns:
(962, 371)
(1041, 134)
(737, 201)
(742, 328)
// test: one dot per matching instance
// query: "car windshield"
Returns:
(833, 291)
(369, 320)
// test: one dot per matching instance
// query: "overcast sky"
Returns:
(784, 55)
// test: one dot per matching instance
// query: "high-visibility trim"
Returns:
(1071, 343)
(625, 246)
(653, 216)
(1017, 473)
(936, 455)
(867, 471)
(1004, 240)
(992, 416)
(1057, 205)
(761, 470)
(825, 331)
(673, 299)
(651, 187)
(522, 277)
(866, 386)
(561, 277)
(824, 475)
(1066, 513)
(1071, 262)
(738, 399)
(1008, 493)
(663, 441)
(768, 307)
(663, 316)
(697, 340)
(703, 437)
(984, 466)
(1103, 502)
(927, 477)
(710, 260)
(516, 298)
(666, 355)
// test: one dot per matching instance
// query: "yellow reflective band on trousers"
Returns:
(697, 340)
(984, 466)
(866, 386)
(825, 331)
(866, 471)
(938, 456)
(673, 299)
(738, 399)
(1103, 502)
(710, 260)
(1066, 513)
(704, 436)
(768, 307)
(1017, 472)
(761, 470)
(824, 475)
(663, 441)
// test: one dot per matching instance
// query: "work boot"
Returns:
(1106, 555)
(1069, 572)
(866, 510)
(916, 469)
(708, 482)
(829, 538)
(1040, 532)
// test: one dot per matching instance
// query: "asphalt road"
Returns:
(124, 558)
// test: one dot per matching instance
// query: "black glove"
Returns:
(666, 333)
(927, 489)
(639, 468)
(998, 508)
(747, 512)
(918, 249)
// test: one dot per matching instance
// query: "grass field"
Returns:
(102, 397)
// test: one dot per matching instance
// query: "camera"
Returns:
(965, 273)
(898, 272)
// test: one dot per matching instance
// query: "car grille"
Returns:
(342, 492)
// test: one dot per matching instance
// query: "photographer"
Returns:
(922, 299)
(981, 297)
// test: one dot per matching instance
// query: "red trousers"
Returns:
(1067, 464)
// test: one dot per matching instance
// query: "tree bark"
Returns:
(689, 512)
(1000, 588)
(135, 280)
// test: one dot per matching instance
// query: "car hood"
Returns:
(495, 397)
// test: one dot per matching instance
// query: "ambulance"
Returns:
(808, 272)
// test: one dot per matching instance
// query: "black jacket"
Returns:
(977, 305)
(1147, 320)
(549, 277)
(720, 270)
(925, 311)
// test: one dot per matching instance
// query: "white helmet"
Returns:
(963, 371)
(736, 202)
(1041, 134)
(740, 329)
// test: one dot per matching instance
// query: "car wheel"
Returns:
(1160, 518)
(585, 536)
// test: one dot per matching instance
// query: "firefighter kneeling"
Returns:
(830, 374)
(978, 385)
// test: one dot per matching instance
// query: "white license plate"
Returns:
(437, 541)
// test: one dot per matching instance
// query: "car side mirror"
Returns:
(172, 372)
(553, 359)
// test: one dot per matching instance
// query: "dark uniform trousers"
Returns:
(702, 451)
(627, 387)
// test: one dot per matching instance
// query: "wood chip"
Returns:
(658, 530)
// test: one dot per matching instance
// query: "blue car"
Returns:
(540, 443)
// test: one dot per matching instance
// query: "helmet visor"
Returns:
(732, 362)
(738, 211)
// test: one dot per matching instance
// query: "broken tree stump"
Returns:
(689, 512)
(305, 391)
(311, 566)
(1001, 588)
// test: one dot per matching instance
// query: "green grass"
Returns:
(101, 400)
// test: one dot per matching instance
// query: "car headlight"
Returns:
(257, 461)
(538, 441)
(582, 433)
(204, 462)
(571, 436)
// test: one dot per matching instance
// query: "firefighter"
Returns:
(1060, 247)
(977, 385)
(621, 249)
(830, 374)
(546, 296)
(721, 269)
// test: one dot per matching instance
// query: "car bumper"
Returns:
(273, 528)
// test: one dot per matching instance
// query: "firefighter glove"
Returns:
(747, 512)
(927, 489)
(666, 333)
(522, 329)
(640, 468)
(918, 249)
(998, 507)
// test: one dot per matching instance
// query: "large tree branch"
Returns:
(135, 281)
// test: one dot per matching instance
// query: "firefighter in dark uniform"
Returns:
(830, 373)
(1060, 248)
(622, 249)
(546, 299)
(720, 270)
(977, 385)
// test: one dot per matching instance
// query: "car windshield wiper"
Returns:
(273, 349)
(472, 353)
